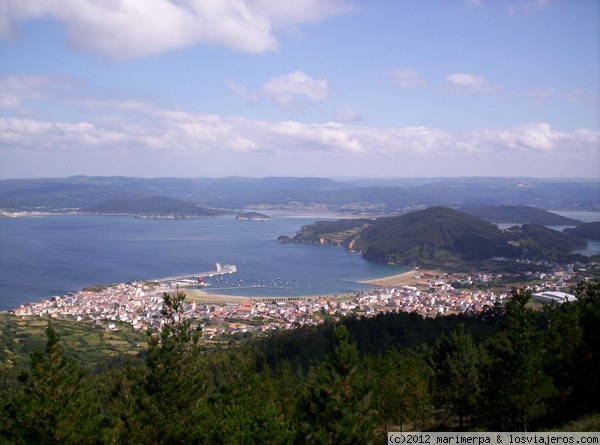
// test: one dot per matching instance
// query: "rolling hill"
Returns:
(155, 206)
(588, 231)
(436, 236)
(376, 196)
(519, 214)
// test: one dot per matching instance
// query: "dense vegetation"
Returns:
(534, 241)
(587, 231)
(512, 368)
(438, 236)
(339, 232)
(432, 235)
(519, 214)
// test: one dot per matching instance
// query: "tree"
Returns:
(517, 386)
(334, 410)
(175, 382)
(586, 382)
(53, 405)
(455, 361)
(401, 395)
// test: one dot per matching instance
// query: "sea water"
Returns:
(51, 255)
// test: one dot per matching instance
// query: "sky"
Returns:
(327, 88)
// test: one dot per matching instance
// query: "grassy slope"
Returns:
(90, 344)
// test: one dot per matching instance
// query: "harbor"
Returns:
(198, 279)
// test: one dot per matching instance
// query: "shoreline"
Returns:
(408, 278)
(198, 295)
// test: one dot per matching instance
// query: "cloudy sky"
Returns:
(335, 88)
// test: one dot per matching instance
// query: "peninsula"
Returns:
(252, 216)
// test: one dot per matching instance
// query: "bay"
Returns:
(52, 255)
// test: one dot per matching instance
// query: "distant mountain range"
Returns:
(373, 196)
(437, 235)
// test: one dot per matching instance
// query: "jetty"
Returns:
(198, 278)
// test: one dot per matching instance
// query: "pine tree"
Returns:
(334, 409)
(174, 385)
(54, 405)
(455, 360)
(518, 389)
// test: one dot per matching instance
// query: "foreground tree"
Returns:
(401, 391)
(174, 386)
(54, 405)
(334, 409)
(455, 361)
(517, 387)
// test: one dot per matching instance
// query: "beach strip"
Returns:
(402, 279)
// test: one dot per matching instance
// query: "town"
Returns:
(431, 294)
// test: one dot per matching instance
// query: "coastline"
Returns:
(403, 279)
(408, 278)
(202, 296)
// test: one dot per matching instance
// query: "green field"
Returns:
(85, 342)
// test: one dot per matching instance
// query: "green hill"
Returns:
(155, 206)
(340, 232)
(588, 231)
(519, 214)
(437, 236)
(535, 241)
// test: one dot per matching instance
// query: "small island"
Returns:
(252, 216)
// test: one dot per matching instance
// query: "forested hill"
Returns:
(519, 214)
(437, 235)
(155, 206)
(588, 231)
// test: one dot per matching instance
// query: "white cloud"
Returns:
(126, 29)
(407, 78)
(469, 83)
(346, 114)
(291, 91)
(55, 136)
(537, 137)
(183, 133)
(239, 89)
(15, 91)
(294, 90)
(142, 134)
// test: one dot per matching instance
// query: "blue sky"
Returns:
(335, 88)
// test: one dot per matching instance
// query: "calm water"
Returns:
(52, 255)
(593, 246)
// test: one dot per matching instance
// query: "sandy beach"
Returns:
(200, 295)
(409, 278)
(403, 279)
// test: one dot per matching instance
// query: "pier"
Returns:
(218, 269)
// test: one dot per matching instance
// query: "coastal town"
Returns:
(428, 293)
